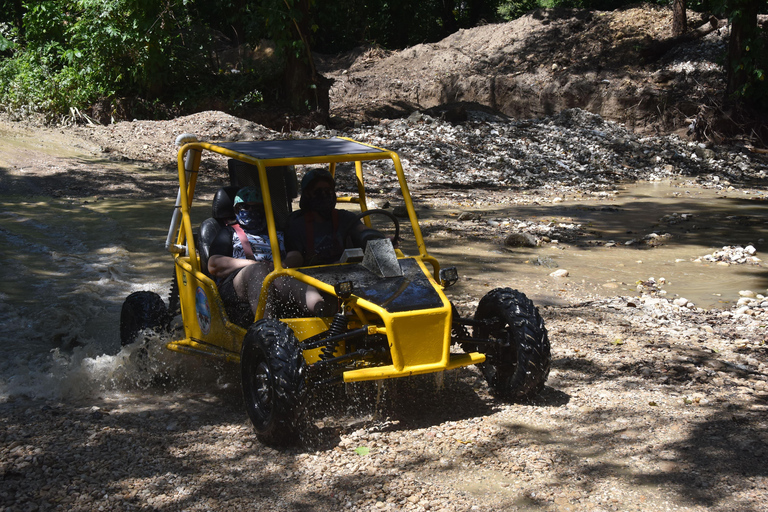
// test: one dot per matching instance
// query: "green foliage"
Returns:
(749, 64)
(512, 9)
(57, 54)
(516, 9)
(8, 35)
(396, 23)
(76, 51)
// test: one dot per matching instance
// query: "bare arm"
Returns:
(293, 259)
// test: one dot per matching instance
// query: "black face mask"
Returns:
(252, 220)
(322, 205)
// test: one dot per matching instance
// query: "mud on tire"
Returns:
(141, 310)
(518, 366)
(274, 381)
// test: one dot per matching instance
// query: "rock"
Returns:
(400, 211)
(747, 293)
(415, 117)
(704, 154)
(520, 240)
(560, 273)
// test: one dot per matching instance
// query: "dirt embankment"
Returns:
(540, 64)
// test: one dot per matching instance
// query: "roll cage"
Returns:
(278, 153)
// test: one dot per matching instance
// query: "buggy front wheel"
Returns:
(517, 363)
(274, 381)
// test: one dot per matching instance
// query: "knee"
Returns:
(255, 271)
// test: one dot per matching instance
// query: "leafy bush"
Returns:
(516, 9)
(76, 51)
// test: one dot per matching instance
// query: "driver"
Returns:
(314, 233)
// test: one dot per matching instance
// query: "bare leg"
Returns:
(314, 299)
(299, 293)
(248, 282)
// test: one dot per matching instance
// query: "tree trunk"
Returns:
(305, 88)
(679, 20)
(743, 29)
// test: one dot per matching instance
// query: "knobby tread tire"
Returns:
(174, 303)
(141, 310)
(518, 371)
(270, 343)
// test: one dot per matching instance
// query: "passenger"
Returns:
(241, 255)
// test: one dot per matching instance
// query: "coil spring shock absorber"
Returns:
(338, 326)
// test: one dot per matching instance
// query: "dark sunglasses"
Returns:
(250, 207)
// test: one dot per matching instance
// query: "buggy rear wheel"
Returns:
(174, 302)
(274, 381)
(517, 366)
(141, 310)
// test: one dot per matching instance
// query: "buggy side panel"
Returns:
(205, 320)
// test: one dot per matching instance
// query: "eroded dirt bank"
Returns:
(547, 61)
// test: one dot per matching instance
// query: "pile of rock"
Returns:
(751, 303)
(733, 255)
(572, 151)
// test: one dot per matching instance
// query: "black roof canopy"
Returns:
(300, 148)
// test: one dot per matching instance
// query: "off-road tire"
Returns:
(274, 381)
(174, 303)
(140, 311)
(516, 370)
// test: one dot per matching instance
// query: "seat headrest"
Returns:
(223, 201)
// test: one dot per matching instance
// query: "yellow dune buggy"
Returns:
(393, 319)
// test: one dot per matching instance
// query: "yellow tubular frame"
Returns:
(185, 233)
(437, 319)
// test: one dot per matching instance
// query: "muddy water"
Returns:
(68, 264)
(606, 254)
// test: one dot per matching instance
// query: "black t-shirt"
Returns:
(325, 246)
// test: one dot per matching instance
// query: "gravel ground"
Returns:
(650, 406)
(652, 402)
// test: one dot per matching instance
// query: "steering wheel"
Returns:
(366, 213)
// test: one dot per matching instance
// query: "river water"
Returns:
(67, 265)
(610, 256)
